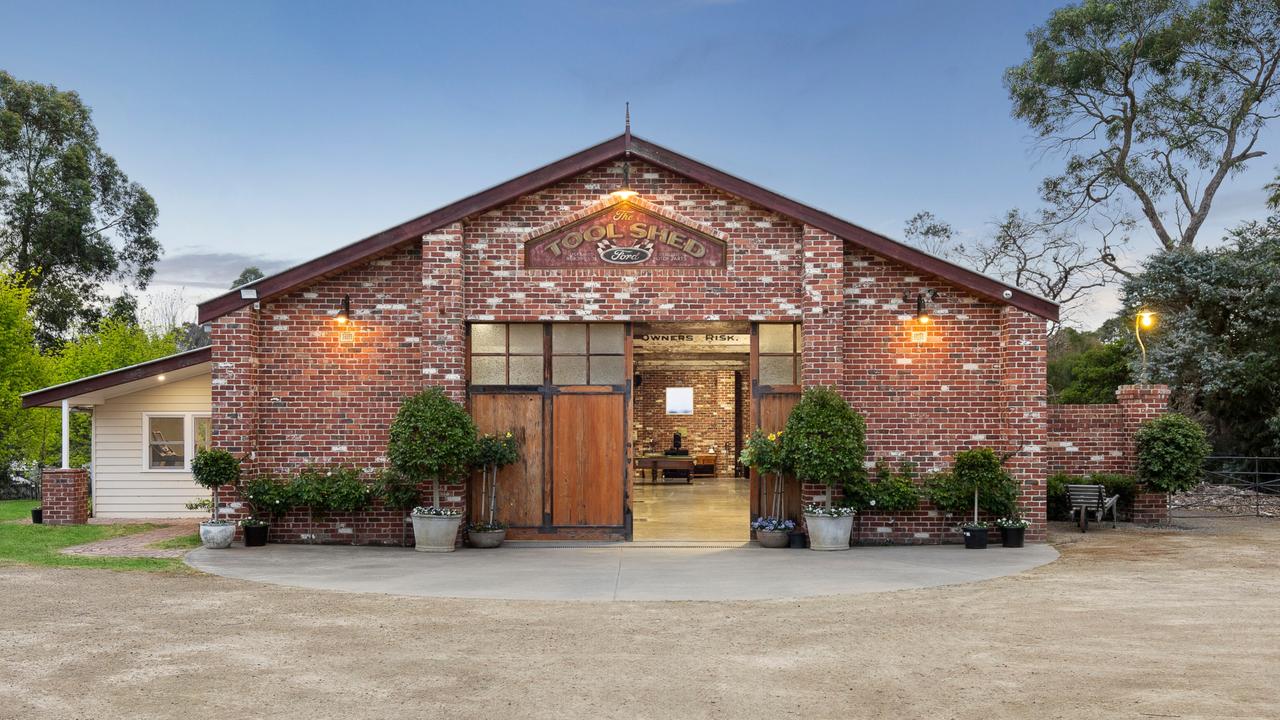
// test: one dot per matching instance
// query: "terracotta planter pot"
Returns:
(434, 533)
(829, 533)
(486, 539)
(773, 538)
(217, 537)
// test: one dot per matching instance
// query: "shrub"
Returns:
(1059, 508)
(214, 468)
(346, 491)
(891, 492)
(396, 490)
(432, 438)
(1171, 453)
(824, 441)
(496, 450)
(268, 497)
(763, 453)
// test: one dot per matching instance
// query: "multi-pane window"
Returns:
(172, 440)
(588, 354)
(506, 354)
(780, 345)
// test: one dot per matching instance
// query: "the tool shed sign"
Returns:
(624, 235)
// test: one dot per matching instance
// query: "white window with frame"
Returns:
(170, 440)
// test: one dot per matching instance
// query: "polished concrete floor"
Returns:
(710, 509)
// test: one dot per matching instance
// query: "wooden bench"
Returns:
(1091, 498)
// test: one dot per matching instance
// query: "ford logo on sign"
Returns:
(624, 255)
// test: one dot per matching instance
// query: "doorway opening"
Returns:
(691, 411)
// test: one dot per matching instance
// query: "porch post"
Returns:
(66, 432)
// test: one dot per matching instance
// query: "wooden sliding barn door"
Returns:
(520, 485)
(588, 466)
(774, 392)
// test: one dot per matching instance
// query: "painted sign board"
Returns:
(622, 236)
(691, 343)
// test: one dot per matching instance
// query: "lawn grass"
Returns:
(16, 509)
(41, 544)
(182, 542)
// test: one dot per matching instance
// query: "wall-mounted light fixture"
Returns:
(344, 312)
(923, 300)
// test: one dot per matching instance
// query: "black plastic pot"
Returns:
(795, 540)
(1012, 537)
(974, 538)
(255, 535)
(37, 515)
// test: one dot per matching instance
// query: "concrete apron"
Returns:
(618, 572)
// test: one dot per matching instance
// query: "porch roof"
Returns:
(95, 389)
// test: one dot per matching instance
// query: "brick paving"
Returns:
(136, 545)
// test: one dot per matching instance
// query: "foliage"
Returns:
(247, 276)
(330, 489)
(836, 511)
(24, 369)
(1059, 508)
(268, 497)
(68, 214)
(432, 437)
(252, 522)
(891, 492)
(396, 491)
(492, 526)
(1012, 523)
(1171, 452)
(1084, 370)
(975, 525)
(215, 467)
(824, 441)
(1155, 102)
(43, 545)
(763, 452)
(773, 524)
(435, 511)
(496, 451)
(976, 480)
(1218, 331)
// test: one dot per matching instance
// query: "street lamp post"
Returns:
(1144, 319)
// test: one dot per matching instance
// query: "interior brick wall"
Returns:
(710, 425)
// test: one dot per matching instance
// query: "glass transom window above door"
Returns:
(779, 354)
(515, 354)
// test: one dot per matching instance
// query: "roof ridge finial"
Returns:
(626, 134)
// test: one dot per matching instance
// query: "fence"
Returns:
(1233, 486)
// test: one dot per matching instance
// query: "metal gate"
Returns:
(1233, 486)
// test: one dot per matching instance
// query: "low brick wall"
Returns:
(1151, 508)
(65, 496)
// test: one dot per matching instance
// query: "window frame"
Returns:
(797, 350)
(587, 354)
(506, 355)
(188, 439)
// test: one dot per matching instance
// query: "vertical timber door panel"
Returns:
(519, 484)
(588, 459)
(775, 408)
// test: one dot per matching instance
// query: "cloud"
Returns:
(212, 269)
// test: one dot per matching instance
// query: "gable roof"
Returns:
(77, 390)
(613, 149)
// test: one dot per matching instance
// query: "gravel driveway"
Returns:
(1128, 624)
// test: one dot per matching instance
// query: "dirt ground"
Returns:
(1127, 624)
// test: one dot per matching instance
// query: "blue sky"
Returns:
(270, 132)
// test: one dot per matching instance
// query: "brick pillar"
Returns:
(444, 328)
(822, 361)
(236, 338)
(1140, 403)
(1025, 417)
(65, 496)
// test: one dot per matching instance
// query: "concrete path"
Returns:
(618, 572)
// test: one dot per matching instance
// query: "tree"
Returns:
(825, 440)
(1096, 373)
(1057, 260)
(1155, 102)
(70, 219)
(24, 370)
(432, 438)
(247, 276)
(1218, 332)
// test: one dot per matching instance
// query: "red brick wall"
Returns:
(64, 496)
(710, 425)
(291, 388)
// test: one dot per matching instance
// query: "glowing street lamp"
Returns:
(1144, 319)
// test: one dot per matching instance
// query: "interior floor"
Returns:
(709, 509)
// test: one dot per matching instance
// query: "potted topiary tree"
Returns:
(981, 470)
(763, 453)
(433, 438)
(825, 443)
(212, 469)
(492, 454)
